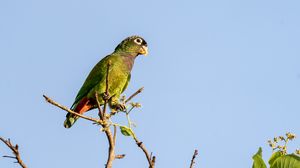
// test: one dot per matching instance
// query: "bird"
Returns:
(121, 62)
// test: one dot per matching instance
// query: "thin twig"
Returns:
(106, 94)
(15, 151)
(134, 94)
(12, 157)
(193, 158)
(115, 134)
(104, 107)
(107, 74)
(100, 114)
(70, 111)
(151, 160)
(120, 156)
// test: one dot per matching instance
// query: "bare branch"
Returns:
(111, 149)
(134, 94)
(115, 134)
(193, 158)
(107, 74)
(151, 160)
(100, 114)
(12, 157)
(104, 108)
(106, 95)
(70, 111)
(15, 151)
(111, 138)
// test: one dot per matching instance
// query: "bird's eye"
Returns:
(138, 41)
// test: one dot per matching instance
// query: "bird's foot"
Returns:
(106, 97)
(118, 107)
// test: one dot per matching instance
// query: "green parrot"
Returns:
(121, 63)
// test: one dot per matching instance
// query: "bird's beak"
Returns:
(144, 50)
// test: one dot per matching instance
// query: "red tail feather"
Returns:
(83, 106)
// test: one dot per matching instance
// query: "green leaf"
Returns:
(126, 131)
(258, 162)
(275, 156)
(287, 161)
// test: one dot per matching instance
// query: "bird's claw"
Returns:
(118, 107)
(121, 107)
(106, 96)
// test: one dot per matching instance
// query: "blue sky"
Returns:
(221, 76)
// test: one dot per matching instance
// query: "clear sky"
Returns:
(221, 76)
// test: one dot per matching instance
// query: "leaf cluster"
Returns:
(279, 158)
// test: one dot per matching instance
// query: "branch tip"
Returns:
(134, 94)
(15, 150)
(193, 158)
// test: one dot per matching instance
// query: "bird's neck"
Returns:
(128, 59)
(127, 54)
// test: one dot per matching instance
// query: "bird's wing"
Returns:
(127, 82)
(96, 75)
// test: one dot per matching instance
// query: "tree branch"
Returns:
(111, 138)
(115, 134)
(107, 74)
(70, 111)
(100, 113)
(103, 121)
(150, 159)
(15, 151)
(106, 96)
(134, 94)
(193, 158)
(111, 149)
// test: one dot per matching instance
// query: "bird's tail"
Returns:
(80, 108)
(70, 120)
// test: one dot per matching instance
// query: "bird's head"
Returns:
(133, 44)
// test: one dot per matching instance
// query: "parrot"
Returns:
(121, 62)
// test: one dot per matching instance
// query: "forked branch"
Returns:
(15, 150)
(150, 158)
